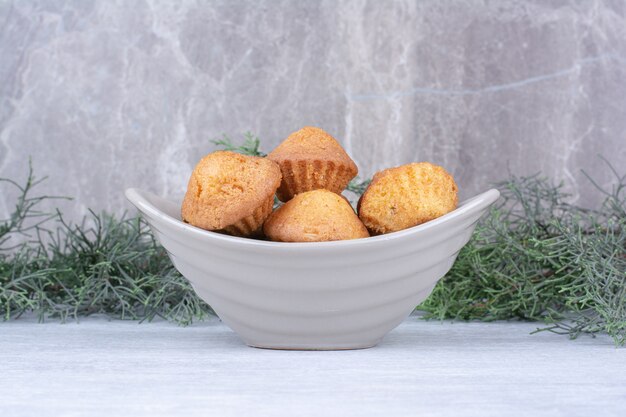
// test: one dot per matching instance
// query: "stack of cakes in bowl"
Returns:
(234, 194)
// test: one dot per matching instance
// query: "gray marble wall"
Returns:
(105, 95)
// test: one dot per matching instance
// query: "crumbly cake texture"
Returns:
(405, 196)
(231, 192)
(311, 159)
(315, 216)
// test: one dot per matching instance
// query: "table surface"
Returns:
(105, 368)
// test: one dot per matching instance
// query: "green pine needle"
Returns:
(249, 147)
(536, 257)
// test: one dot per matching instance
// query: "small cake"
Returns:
(314, 216)
(405, 196)
(231, 193)
(311, 159)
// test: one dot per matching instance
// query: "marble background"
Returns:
(104, 95)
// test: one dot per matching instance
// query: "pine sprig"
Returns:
(358, 186)
(536, 257)
(105, 265)
(250, 146)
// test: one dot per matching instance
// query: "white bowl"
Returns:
(329, 295)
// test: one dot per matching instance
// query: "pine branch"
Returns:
(534, 257)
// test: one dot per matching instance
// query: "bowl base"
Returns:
(295, 346)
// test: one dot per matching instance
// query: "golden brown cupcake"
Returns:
(405, 196)
(314, 216)
(311, 159)
(231, 193)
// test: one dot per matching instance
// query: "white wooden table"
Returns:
(114, 368)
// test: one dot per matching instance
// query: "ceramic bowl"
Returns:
(328, 295)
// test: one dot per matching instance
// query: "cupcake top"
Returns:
(311, 159)
(405, 196)
(226, 187)
(312, 143)
(314, 216)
